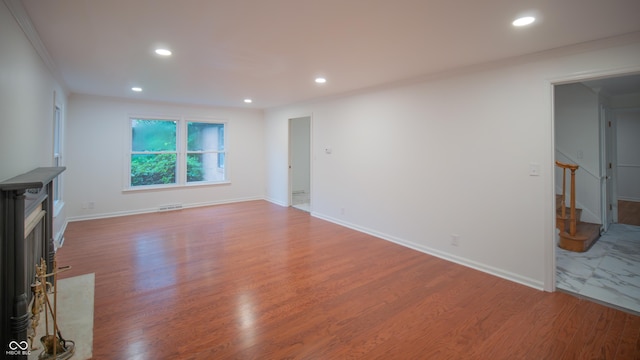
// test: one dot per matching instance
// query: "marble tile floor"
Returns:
(301, 200)
(609, 272)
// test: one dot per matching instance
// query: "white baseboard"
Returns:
(501, 273)
(274, 201)
(628, 199)
(58, 238)
(155, 209)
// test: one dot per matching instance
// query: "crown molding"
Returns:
(22, 18)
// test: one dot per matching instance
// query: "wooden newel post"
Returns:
(572, 213)
(572, 220)
(563, 211)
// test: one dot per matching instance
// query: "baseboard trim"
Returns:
(155, 209)
(632, 199)
(501, 273)
(507, 275)
(58, 238)
(274, 201)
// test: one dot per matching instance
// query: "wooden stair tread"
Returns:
(586, 235)
(584, 231)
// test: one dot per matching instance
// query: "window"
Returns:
(153, 152)
(176, 152)
(57, 152)
(205, 152)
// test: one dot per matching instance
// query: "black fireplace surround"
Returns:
(26, 236)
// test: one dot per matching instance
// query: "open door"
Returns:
(608, 148)
(300, 163)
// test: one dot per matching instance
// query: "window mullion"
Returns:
(181, 151)
(197, 152)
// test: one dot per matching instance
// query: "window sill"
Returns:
(174, 186)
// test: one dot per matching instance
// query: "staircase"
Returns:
(575, 235)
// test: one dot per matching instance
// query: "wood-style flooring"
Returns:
(629, 212)
(255, 280)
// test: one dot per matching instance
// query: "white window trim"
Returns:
(181, 145)
(58, 131)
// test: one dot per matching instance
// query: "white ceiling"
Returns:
(228, 50)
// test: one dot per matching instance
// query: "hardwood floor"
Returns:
(629, 212)
(254, 280)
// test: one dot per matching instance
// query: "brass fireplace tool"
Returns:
(55, 346)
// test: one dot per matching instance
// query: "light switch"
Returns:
(534, 169)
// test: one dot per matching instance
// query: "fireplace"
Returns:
(26, 220)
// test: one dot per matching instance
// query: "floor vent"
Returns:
(169, 207)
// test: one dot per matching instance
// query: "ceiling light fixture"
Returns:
(163, 52)
(321, 80)
(136, 89)
(523, 21)
(248, 101)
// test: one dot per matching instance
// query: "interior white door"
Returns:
(608, 181)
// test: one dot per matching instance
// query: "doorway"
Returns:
(593, 129)
(300, 163)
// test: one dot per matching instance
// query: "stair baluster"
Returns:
(572, 213)
(581, 234)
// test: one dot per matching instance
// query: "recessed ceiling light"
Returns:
(321, 80)
(248, 101)
(523, 21)
(136, 89)
(163, 52)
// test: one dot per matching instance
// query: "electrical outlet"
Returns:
(455, 240)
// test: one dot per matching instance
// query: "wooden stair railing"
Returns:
(581, 235)
(572, 208)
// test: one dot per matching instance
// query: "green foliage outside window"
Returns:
(154, 150)
(153, 169)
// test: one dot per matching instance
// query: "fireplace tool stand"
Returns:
(55, 346)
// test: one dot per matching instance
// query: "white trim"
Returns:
(22, 18)
(507, 275)
(311, 157)
(24, 21)
(550, 238)
(181, 122)
(624, 198)
(174, 186)
(155, 209)
(276, 202)
(57, 208)
(58, 238)
(549, 271)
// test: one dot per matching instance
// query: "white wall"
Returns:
(26, 102)
(97, 142)
(455, 151)
(26, 105)
(628, 150)
(577, 141)
(626, 101)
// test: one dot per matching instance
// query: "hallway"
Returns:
(608, 272)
